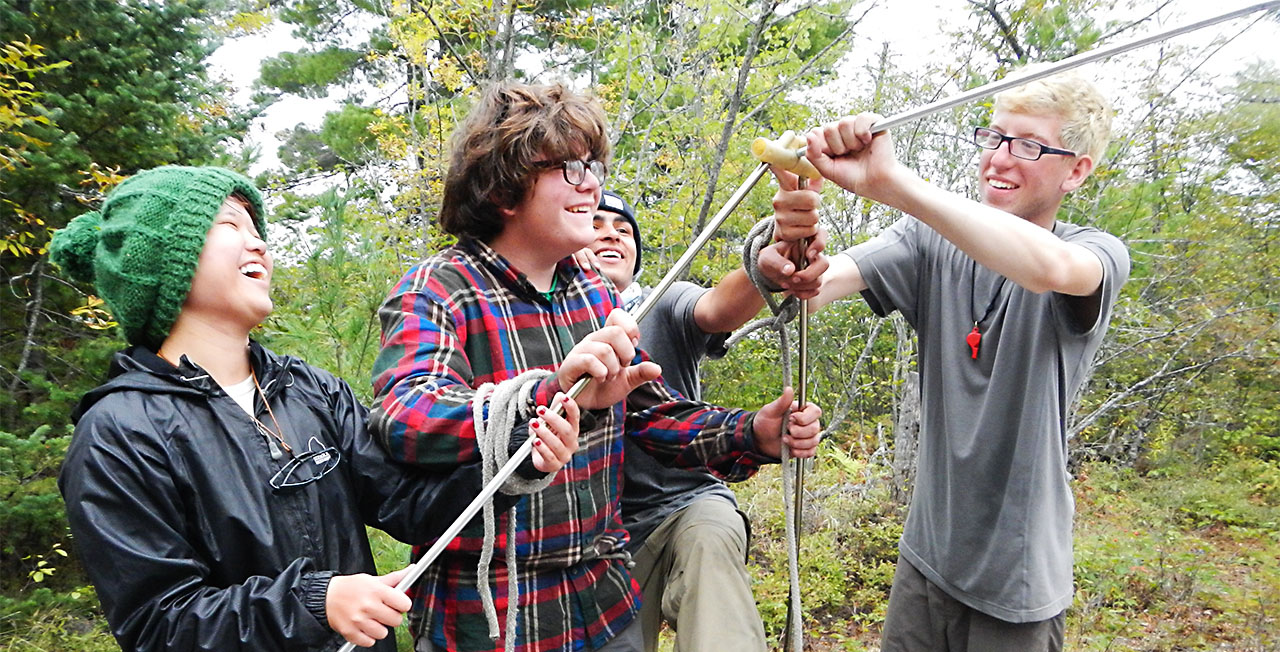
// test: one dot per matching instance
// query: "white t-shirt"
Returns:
(242, 392)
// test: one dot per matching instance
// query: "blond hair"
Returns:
(1085, 113)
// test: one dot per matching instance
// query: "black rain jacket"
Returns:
(188, 545)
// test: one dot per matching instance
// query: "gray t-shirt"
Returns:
(991, 512)
(671, 337)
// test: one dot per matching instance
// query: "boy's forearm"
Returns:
(1023, 252)
(688, 434)
(842, 279)
(731, 303)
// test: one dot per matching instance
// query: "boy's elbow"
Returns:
(1066, 275)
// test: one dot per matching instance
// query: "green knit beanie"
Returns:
(140, 250)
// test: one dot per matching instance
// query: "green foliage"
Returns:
(1021, 32)
(390, 555)
(19, 109)
(19, 105)
(327, 301)
(309, 74)
(1182, 560)
(50, 620)
(1194, 333)
(345, 142)
(32, 515)
(1253, 123)
(847, 552)
(128, 91)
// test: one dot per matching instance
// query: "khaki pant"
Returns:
(692, 574)
(923, 618)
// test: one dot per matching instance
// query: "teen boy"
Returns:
(688, 537)
(218, 492)
(508, 305)
(1009, 304)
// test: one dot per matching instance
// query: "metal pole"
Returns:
(1018, 79)
(793, 638)
(802, 380)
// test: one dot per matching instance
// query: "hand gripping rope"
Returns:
(790, 156)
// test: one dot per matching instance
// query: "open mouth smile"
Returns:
(254, 270)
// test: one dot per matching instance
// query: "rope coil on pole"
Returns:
(783, 152)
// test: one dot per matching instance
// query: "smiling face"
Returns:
(551, 222)
(232, 283)
(1032, 190)
(615, 247)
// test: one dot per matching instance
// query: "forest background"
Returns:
(1175, 441)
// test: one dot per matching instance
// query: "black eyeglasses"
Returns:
(1019, 147)
(318, 461)
(575, 170)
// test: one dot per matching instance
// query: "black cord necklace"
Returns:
(974, 338)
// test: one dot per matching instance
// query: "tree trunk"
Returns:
(906, 438)
(731, 114)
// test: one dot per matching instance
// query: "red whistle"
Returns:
(973, 339)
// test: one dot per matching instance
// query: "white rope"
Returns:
(493, 436)
(761, 236)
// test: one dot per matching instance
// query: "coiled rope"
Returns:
(493, 436)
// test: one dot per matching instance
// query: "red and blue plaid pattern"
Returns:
(464, 317)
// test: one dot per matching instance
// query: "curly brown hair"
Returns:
(494, 149)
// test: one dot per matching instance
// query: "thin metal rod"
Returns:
(802, 381)
(419, 567)
(682, 264)
(1017, 79)
(797, 498)
(802, 397)
(1020, 78)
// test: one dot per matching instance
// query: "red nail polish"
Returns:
(542, 409)
(533, 424)
(537, 442)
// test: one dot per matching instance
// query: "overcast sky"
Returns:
(910, 27)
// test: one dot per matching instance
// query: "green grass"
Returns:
(1184, 559)
(391, 555)
(45, 620)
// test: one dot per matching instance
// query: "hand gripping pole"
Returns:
(783, 152)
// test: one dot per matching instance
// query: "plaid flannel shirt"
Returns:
(464, 317)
